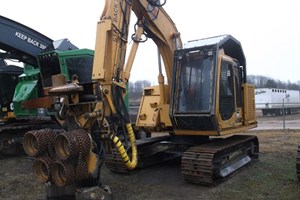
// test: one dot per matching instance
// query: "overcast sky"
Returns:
(269, 30)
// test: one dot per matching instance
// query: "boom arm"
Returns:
(112, 37)
(159, 27)
(110, 51)
(111, 41)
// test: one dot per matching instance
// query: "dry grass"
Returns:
(272, 176)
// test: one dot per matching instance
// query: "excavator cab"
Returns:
(210, 95)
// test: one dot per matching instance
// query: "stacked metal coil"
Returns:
(36, 142)
(71, 144)
(39, 144)
(59, 158)
(63, 173)
(72, 147)
(42, 168)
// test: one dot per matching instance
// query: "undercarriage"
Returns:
(207, 163)
(211, 163)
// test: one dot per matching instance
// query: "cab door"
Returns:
(230, 94)
(226, 90)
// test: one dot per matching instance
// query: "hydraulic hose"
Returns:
(130, 164)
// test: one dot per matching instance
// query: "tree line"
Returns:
(267, 82)
(135, 89)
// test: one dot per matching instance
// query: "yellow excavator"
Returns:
(204, 98)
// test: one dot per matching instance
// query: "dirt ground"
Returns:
(272, 176)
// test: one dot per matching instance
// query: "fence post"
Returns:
(283, 114)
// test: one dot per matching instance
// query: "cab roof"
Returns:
(232, 47)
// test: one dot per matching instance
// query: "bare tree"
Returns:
(267, 82)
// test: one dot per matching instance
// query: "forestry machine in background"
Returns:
(19, 43)
(21, 86)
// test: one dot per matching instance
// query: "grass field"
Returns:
(272, 176)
